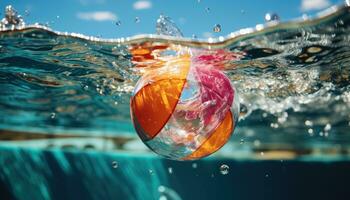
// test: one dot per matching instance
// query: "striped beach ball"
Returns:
(184, 112)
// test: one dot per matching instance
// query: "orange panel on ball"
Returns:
(155, 102)
(216, 140)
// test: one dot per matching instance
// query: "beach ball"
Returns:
(183, 111)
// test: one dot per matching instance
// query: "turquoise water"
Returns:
(64, 112)
(292, 79)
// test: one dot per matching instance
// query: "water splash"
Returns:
(11, 20)
(166, 26)
(286, 74)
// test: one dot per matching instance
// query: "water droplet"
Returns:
(115, 164)
(57, 17)
(271, 17)
(86, 87)
(116, 103)
(242, 11)
(267, 175)
(53, 115)
(194, 36)
(150, 171)
(161, 189)
(118, 23)
(170, 170)
(137, 20)
(262, 153)
(198, 1)
(242, 141)
(207, 9)
(224, 169)
(26, 13)
(194, 165)
(217, 28)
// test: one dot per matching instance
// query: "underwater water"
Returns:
(66, 91)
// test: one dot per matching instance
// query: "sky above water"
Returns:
(120, 18)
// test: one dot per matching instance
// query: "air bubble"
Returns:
(118, 23)
(328, 127)
(257, 143)
(308, 123)
(241, 141)
(53, 115)
(224, 169)
(115, 164)
(137, 20)
(170, 170)
(310, 131)
(194, 165)
(163, 197)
